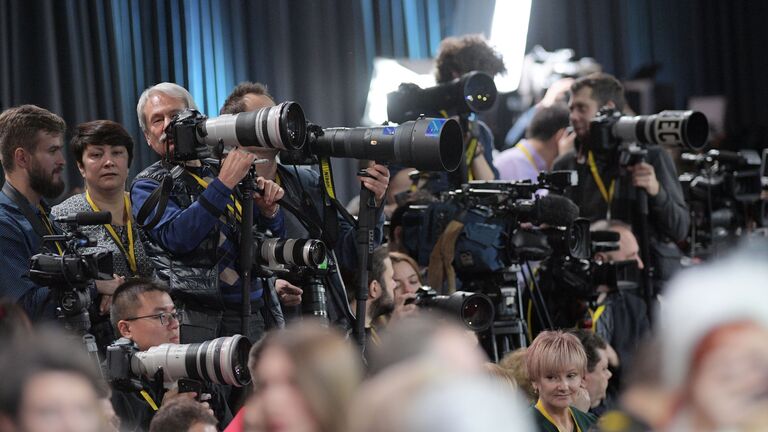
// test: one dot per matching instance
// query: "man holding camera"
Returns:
(605, 191)
(195, 244)
(305, 188)
(143, 312)
(31, 147)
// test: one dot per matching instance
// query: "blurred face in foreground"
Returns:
(58, 401)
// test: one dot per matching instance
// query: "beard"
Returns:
(43, 182)
(384, 305)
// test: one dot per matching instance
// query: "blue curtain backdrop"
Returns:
(90, 59)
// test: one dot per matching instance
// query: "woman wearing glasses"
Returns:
(103, 151)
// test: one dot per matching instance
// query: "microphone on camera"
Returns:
(86, 218)
(556, 210)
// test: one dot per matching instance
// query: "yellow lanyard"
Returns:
(236, 211)
(149, 400)
(607, 194)
(543, 411)
(130, 254)
(596, 316)
(528, 156)
(471, 149)
(49, 227)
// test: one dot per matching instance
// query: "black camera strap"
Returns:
(158, 199)
(26, 209)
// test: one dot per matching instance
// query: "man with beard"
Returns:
(31, 143)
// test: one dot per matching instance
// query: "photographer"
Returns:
(143, 312)
(31, 143)
(304, 187)
(605, 191)
(195, 244)
(103, 151)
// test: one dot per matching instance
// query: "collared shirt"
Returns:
(514, 163)
(19, 242)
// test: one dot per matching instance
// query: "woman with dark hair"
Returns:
(103, 151)
(556, 364)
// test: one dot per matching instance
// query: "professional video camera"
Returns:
(724, 194)
(475, 310)
(195, 136)
(67, 275)
(302, 262)
(222, 361)
(472, 92)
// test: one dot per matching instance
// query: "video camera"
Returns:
(472, 92)
(67, 275)
(222, 361)
(724, 191)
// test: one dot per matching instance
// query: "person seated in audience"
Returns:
(598, 374)
(556, 365)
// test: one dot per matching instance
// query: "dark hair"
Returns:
(51, 350)
(126, 300)
(548, 121)
(100, 132)
(180, 415)
(460, 55)
(19, 127)
(352, 278)
(14, 323)
(235, 102)
(605, 88)
(591, 342)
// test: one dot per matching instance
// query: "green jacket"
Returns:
(583, 420)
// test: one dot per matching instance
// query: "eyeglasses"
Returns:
(164, 317)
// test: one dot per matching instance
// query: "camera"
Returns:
(472, 92)
(434, 144)
(608, 129)
(67, 275)
(195, 136)
(222, 361)
(475, 310)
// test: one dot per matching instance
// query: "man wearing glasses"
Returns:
(142, 311)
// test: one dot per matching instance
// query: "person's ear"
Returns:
(398, 235)
(124, 327)
(601, 257)
(81, 168)
(609, 104)
(21, 158)
(374, 290)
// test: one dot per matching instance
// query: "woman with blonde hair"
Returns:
(556, 364)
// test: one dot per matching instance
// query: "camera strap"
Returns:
(130, 253)
(606, 193)
(331, 231)
(158, 199)
(41, 225)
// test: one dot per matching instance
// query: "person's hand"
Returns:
(566, 143)
(235, 167)
(644, 176)
(289, 295)
(377, 182)
(580, 399)
(173, 395)
(403, 310)
(267, 199)
(108, 287)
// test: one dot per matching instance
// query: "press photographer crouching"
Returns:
(145, 317)
(194, 217)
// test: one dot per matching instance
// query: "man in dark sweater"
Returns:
(607, 191)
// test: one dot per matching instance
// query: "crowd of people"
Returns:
(178, 277)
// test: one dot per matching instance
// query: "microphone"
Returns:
(86, 218)
(555, 210)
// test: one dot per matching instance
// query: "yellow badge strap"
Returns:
(470, 155)
(607, 194)
(528, 155)
(49, 227)
(543, 411)
(237, 210)
(149, 400)
(596, 316)
(130, 253)
(327, 173)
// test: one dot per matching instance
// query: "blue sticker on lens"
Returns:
(389, 130)
(434, 128)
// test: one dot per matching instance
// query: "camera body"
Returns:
(475, 310)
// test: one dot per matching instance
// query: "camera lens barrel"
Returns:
(475, 310)
(281, 127)
(432, 144)
(222, 361)
(296, 252)
(682, 128)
